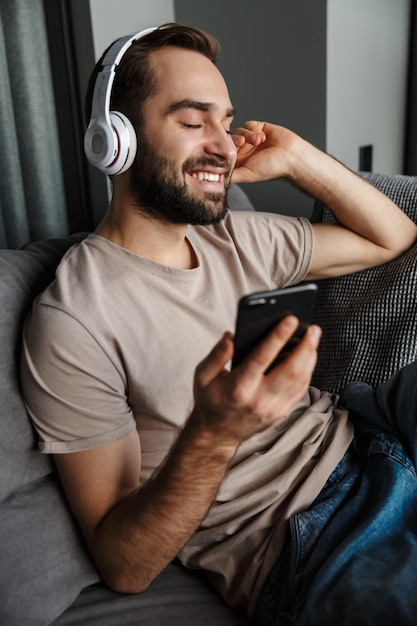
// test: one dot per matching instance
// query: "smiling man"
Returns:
(186, 152)
(161, 449)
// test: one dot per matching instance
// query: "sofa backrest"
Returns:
(369, 318)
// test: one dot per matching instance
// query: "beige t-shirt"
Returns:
(112, 345)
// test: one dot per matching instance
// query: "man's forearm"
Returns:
(358, 205)
(144, 532)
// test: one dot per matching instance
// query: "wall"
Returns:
(367, 48)
(332, 70)
(110, 19)
(274, 61)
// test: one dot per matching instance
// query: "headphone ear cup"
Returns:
(110, 140)
(101, 145)
(127, 144)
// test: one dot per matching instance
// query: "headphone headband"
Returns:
(105, 77)
(110, 140)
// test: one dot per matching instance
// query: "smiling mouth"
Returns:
(209, 176)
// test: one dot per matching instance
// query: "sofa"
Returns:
(369, 318)
(46, 575)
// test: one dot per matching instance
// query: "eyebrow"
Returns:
(196, 104)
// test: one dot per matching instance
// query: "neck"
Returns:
(138, 232)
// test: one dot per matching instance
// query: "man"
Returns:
(161, 449)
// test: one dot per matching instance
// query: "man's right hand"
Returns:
(236, 404)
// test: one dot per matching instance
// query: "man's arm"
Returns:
(372, 229)
(134, 533)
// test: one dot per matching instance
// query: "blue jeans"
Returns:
(351, 559)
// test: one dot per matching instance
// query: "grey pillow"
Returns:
(238, 199)
(369, 318)
(44, 565)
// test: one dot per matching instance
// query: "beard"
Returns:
(158, 189)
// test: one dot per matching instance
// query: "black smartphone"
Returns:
(259, 312)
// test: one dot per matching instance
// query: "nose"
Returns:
(219, 143)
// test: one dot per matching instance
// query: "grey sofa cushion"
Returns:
(43, 563)
(177, 596)
(238, 199)
(369, 318)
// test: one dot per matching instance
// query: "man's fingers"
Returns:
(299, 363)
(268, 349)
(215, 361)
(302, 353)
(251, 133)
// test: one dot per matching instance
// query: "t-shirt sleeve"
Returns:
(74, 392)
(294, 249)
(281, 245)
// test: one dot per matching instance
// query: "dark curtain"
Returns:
(411, 126)
(32, 198)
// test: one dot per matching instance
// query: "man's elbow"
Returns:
(403, 245)
(123, 574)
(408, 240)
(122, 582)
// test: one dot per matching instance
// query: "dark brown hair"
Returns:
(134, 80)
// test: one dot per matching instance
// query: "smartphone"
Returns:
(259, 312)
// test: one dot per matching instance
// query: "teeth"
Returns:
(207, 176)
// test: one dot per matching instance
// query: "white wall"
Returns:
(111, 19)
(367, 47)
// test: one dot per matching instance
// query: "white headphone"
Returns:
(110, 140)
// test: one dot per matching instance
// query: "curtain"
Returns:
(32, 198)
(411, 126)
